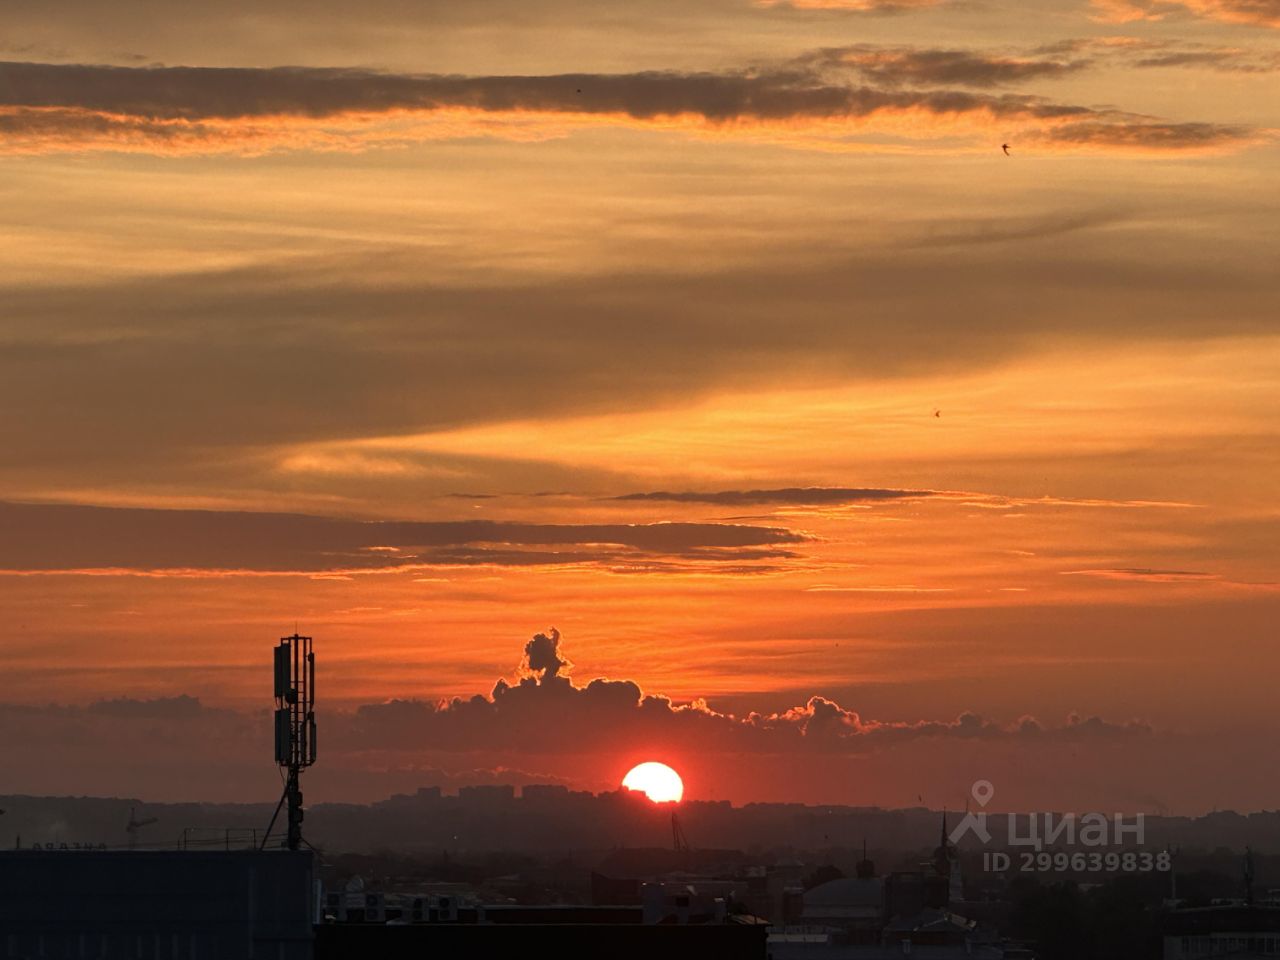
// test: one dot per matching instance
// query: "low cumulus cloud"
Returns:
(48, 538)
(174, 110)
(535, 713)
(541, 655)
(543, 721)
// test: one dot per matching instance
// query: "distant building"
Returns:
(608, 891)
(693, 901)
(908, 913)
(487, 795)
(853, 905)
(1240, 930)
(544, 793)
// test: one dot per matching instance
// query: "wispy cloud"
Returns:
(1155, 52)
(855, 6)
(898, 66)
(821, 496)
(783, 495)
(1258, 13)
(1144, 574)
(178, 110)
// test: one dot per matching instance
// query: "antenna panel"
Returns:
(282, 670)
(283, 738)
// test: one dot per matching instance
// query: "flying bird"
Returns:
(1005, 148)
(937, 412)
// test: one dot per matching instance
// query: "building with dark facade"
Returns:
(156, 904)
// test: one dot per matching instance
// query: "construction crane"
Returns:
(679, 841)
(135, 825)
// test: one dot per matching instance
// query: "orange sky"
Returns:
(727, 341)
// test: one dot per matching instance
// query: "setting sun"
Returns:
(655, 780)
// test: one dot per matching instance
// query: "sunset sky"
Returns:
(861, 460)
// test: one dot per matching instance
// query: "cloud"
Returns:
(160, 708)
(783, 495)
(541, 657)
(182, 110)
(855, 6)
(1258, 13)
(617, 715)
(1147, 135)
(1127, 11)
(1007, 229)
(541, 721)
(1223, 59)
(1148, 53)
(59, 537)
(819, 496)
(421, 355)
(1144, 575)
(896, 66)
(124, 747)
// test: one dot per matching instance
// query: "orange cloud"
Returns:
(856, 6)
(894, 66)
(51, 108)
(1145, 575)
(1150, 575)
(1258, 13)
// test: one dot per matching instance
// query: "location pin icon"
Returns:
(983, 791)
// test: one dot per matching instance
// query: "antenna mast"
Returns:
(295, 724)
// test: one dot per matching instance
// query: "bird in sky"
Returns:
(937, 412)
(1005, 148)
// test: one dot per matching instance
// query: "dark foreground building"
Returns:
(251, 905)
(156, 905)
(1243, 931)
(590, 941)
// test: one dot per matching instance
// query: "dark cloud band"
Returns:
(783, 495)
(201, 109)
(62, 537)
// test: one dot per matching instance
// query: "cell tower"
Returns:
(295, 676)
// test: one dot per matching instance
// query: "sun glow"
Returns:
(655, 780)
